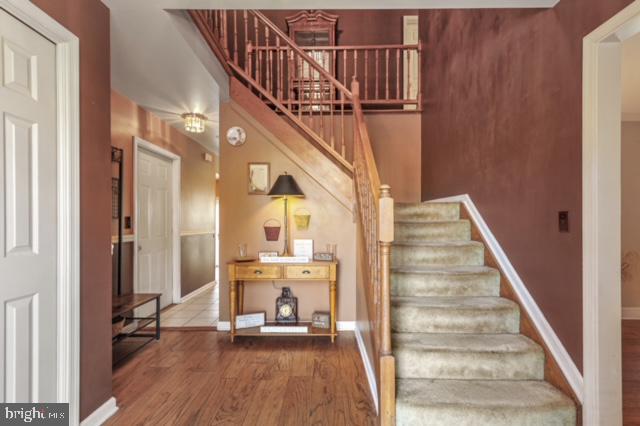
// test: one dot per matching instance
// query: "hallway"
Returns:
(199, 377)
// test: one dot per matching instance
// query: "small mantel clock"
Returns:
(286, 307)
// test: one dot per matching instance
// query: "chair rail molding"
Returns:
(550, 338)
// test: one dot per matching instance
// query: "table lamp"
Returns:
(285, 187)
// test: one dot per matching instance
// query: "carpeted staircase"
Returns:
(460, 359)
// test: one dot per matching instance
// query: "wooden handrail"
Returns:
(349, 47)
(376, 224)
(268, 96)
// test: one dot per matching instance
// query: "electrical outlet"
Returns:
(563, 221)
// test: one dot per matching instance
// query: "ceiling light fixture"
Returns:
(194, 122)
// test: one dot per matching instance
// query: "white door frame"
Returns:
(68, 196)
(138, 144)
(601, 210)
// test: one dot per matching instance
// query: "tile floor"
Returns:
(199, 311)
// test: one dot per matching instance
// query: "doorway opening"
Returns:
(601, 209)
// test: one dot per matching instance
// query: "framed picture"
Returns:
(259, 179)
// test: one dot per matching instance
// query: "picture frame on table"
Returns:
(258, 178)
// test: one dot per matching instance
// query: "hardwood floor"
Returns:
(200, 378)
(631, 372)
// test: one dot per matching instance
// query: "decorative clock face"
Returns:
(236, 136)
(286, 310)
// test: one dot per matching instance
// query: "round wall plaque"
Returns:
(236, 136)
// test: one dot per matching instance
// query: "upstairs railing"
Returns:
(332, 116)
(389, 74)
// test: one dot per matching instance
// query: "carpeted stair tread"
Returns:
(438, 243)
(458, 303)
(454, 315)
(445, 281)
(467, 356)
(465, 342)
(445, 270)
(433, 230)
(426, 211)
(481, 402)
(423, 253)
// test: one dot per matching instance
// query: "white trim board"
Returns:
(368, 368)
(631, 313)
(101, 414)
(601, 207)
(197, 291)
(340, 325)
(68, 196)
(139, 143)
(550, 338)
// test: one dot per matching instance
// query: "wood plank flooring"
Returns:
(200, 378)
(631, 372)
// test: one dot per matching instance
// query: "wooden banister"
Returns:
(375, 221)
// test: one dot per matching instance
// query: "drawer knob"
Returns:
(257, 272)
(306, 272)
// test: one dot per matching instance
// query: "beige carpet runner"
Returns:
(460, 359)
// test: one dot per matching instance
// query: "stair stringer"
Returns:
(292, 144)
(560, 370)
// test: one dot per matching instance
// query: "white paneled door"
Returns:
(154, 229)
(28, 218)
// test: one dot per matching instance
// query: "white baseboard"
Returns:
(368, 368)
(346, 325)
(197, 291)
(340, 325)
(102, 413)
(630, 313)
(550, 338)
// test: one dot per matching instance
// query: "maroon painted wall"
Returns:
(89, 20)
(502, 122)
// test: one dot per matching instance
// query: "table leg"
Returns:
(233, 300)
(332, 300)
(241, 297)
(157, 318)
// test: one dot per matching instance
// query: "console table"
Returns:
(241, 273)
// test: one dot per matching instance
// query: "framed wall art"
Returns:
(258, 178)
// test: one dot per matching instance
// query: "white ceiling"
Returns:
(631, 79)
(159, 61)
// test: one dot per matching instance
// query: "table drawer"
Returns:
(307, 272)
(269, 272)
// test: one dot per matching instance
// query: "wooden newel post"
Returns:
(387, 362)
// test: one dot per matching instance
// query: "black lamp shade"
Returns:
(285, 186)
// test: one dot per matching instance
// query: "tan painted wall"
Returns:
(395, 138)
(631, 214)
(242, 217)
